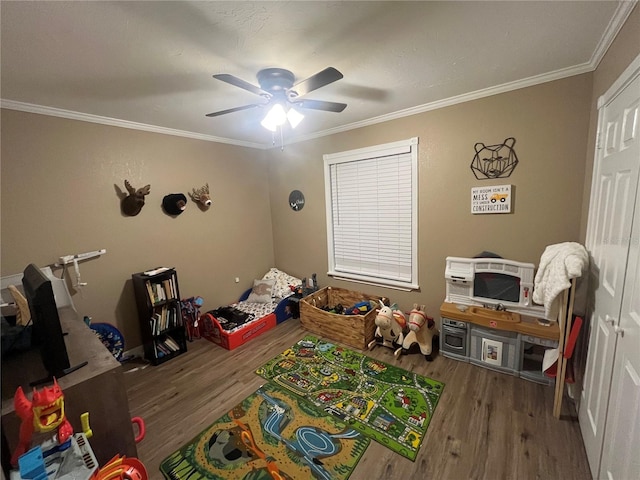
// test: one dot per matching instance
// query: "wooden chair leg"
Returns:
(565, 318)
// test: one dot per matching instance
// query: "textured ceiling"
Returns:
(150, 64)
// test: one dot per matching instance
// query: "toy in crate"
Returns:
(230, 327)
(319, 314)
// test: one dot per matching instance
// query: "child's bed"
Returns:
(259, 309)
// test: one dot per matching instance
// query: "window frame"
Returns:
(408, 146)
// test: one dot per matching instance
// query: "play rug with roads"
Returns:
(271, 434)
(386, 403)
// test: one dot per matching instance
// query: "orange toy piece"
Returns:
(122, 468)
(43, 413)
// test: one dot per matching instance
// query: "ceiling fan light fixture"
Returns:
(274, 118)
(294, 117)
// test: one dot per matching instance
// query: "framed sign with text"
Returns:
(493, 199)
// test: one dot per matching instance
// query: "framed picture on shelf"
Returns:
(491, 352)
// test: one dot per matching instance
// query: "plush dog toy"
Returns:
(174, 203)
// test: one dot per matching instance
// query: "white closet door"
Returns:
(615, 181)
(622, 433)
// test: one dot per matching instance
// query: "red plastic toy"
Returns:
(44, 413)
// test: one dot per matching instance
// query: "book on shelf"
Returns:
(155, 271)
(162, 349)
(150, 292)
(177, 317)
(156, 295)
(160, 292)
(166, 317)
(170, 318)
(166, 346)
(167, 288)
(171, 343)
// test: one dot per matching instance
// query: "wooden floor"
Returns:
(487, 425)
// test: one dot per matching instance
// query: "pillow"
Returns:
(261, 291)
(282, 281)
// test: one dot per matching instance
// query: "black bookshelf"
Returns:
(158, 303)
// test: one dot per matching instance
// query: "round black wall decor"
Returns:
(296, 200)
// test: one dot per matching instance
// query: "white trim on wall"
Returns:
(116, 122)
(372, 214)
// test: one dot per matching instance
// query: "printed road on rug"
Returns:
(270, 434)
(388, 404)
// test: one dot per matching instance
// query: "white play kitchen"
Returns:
(489, 318)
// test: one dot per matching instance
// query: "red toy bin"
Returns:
(212, 331)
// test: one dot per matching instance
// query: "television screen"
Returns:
(47, 331)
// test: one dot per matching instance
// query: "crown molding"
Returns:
(623, 10)
(447, 102)
(115, 122)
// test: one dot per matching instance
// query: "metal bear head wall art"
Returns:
(494, 161)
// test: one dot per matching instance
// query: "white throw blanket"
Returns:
(559, 264)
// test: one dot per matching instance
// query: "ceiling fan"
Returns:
(277, 87)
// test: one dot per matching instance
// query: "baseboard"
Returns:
(134, 352)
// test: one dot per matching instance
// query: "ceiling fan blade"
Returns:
(231, 110)
(320, 79)
(238, 82)
(321, 105)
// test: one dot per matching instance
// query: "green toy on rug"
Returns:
(388, 404)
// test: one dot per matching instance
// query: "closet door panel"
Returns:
(622, 435)
(611, 215)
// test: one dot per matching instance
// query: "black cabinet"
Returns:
(161, 325)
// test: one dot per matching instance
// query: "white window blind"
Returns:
(372, 214)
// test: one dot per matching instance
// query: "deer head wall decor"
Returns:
(201, 196)
(133, 203)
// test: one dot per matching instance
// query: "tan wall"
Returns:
(60, 180)
(550, 124)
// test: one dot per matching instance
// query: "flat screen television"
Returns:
(47, 331)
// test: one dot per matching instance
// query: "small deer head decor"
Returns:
(201, 196)
(133, 203)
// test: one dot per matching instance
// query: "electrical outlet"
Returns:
(237, 280)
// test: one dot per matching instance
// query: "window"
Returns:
(372, 203)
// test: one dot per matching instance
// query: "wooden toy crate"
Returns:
(352, 330)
